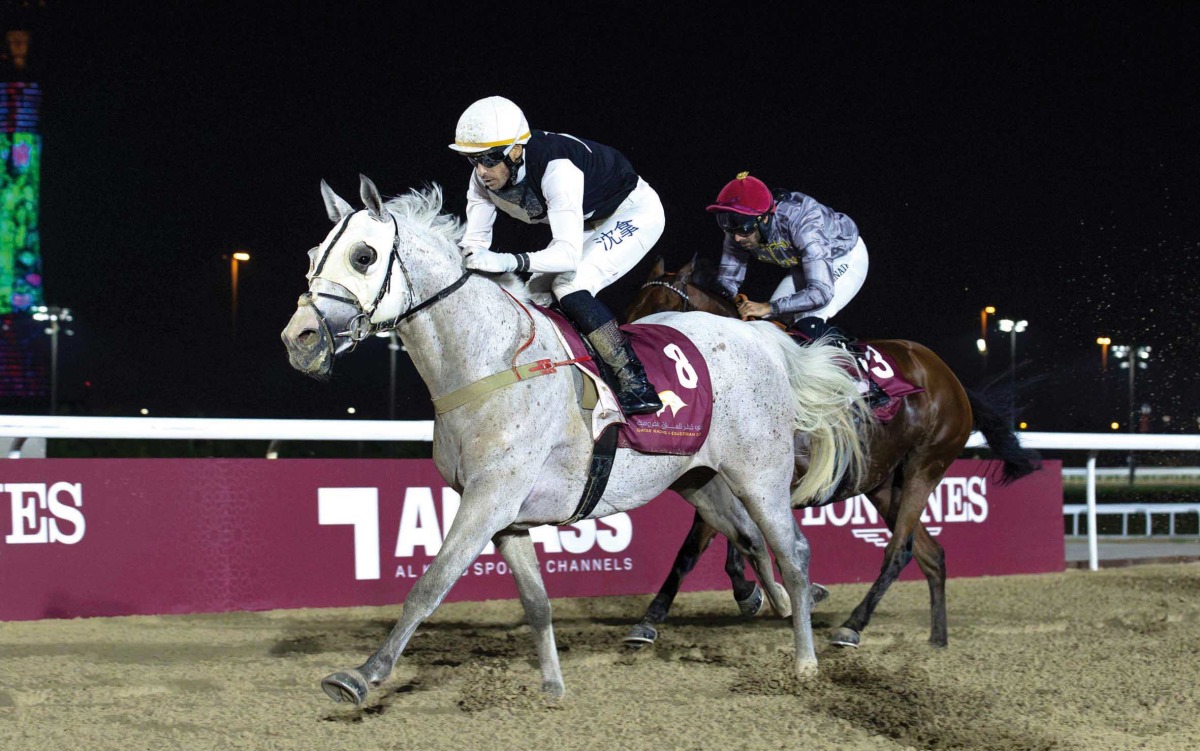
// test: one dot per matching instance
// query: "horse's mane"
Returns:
(422, 207)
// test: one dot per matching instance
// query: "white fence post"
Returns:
(1093, 537)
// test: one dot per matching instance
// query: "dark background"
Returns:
(1040, 158)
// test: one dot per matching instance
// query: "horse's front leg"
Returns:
(902, 510)
(517, 549)
(694, 545)
(464, 542)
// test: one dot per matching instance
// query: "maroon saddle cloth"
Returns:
(880, 368)
(680, 376)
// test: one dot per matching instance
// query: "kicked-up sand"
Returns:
(1077, 660)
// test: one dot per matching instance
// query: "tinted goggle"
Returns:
(488, 159)
(737, 224)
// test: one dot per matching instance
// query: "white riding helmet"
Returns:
(488, 123)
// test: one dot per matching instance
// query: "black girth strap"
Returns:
(602, 463)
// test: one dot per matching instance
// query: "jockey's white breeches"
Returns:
(849, 273)
(612, 248)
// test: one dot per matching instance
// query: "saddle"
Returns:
(679, 374)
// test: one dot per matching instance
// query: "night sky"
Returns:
(1038, 158)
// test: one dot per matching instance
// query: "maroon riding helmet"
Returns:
(742, 203)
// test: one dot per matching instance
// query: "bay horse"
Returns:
(906, 456)
(520, 453)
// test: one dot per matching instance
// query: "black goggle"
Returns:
(737, 224)
(488, 159)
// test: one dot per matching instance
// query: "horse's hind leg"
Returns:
(518, 552)
(747, 593)
(694, 545)
(769, 505)
(717, 504)
(931, 557)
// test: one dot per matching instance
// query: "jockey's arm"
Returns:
(562, 186)
(732, 270)
(817, 291)
(481, 215)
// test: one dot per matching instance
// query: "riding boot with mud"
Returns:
(634, 392)
(626, 375)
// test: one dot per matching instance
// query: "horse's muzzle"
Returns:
(309, 342)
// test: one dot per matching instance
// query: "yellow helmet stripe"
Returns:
(490, 144)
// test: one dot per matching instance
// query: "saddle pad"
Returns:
(883, 370)
(679, 374)
(880, 368)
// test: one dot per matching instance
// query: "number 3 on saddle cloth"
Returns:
(680, 376)
(879, 368)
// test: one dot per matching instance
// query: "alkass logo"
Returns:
(955, 500)
(422, 528)
(41, 514)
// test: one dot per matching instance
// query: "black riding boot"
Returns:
(876, 397)
(634, 392)
(814, 327)
(597, 323)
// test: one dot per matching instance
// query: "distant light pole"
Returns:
(57, 319)
(1103, 341)
(238, 257)
(393, 346)
(1012, 328)
(1133, 358)
(981, 343)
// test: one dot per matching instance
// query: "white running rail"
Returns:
(21, 427)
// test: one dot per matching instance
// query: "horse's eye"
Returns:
(362, 256)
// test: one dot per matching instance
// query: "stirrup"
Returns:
(639, 402)
(876, 397)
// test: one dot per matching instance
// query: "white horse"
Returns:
(519, 455)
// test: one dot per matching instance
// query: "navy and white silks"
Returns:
(603, 218)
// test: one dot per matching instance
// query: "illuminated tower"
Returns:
(21, 341)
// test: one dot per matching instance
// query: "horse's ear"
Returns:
(371, 199)
(658, 270)
(335, 206)
(685, 274)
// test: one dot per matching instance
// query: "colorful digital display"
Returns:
(20, 185)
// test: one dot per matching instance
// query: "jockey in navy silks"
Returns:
(603, 219)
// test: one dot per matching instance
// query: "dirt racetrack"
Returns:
(1078, 660)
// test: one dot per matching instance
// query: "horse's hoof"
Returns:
(844, 637)
(347, 686)
(817, 594)
(750, 606)
(641, 635)
(553, 689)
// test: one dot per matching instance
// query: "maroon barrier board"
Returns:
(98, 537)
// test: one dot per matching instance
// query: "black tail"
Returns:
(990, 420)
